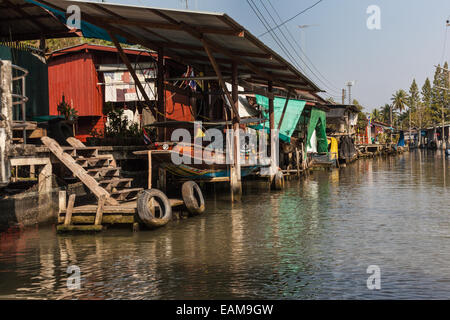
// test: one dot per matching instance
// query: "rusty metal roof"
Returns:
(21, 20)
(182, 35)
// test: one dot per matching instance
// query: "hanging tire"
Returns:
(193, 197)
(156, 215)
(60, 131)
(278, 181)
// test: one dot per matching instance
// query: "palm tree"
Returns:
(376, 115)
(399, 101)
(385, 113)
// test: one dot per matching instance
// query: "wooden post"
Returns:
(45, 186)
(69, 210)
(99, 213)
(62, 201)
(162, 179)
(161, 116)
(297, 155)
(149, 155)
(125, 60)
(220, 79)
(284, 109)
(235, 174)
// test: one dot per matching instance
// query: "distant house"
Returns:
(89, 76)
(342, 119)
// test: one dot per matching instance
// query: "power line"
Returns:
(331, 85)
(264, 22)
(283, 23)
(300, 48)
(296, 52)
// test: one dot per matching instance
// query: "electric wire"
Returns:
(280, 43)
(302, 51)
(283, 23)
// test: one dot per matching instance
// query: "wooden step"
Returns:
(81, 151)
(124, 194)
(104, 172)
(109, 184)
(98, 161)
(78, 171)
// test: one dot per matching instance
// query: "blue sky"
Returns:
(342, 48)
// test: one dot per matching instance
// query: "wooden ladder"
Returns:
(99, 173)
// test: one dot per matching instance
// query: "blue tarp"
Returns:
(401, 140)
(87, 29)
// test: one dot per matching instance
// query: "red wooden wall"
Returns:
(74, 75)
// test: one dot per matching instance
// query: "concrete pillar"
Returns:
(5, 119)
(235, 169)
(273, 145)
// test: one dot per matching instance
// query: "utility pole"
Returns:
(343, 96)
(444, 143)
(349, 85)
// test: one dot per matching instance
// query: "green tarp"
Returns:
(294, 110)
(318, 122)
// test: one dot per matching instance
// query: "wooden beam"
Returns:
(220, 79)
(284, 110)
(125, 60)
(161, 105)
(264, 48)
(211, 44)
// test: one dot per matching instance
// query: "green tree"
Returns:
(425, 110)
(375, 115)
(399, 102)
(385, 113)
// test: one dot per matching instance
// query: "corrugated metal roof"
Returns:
(20, 20)
(181, 34)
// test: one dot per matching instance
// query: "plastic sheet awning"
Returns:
(294, 110)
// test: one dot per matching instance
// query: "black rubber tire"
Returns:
(278, 181)
(193, 197)
(146, 215)
(60, 131)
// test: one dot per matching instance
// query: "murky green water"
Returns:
(313, 240)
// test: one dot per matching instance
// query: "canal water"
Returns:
(314, 240)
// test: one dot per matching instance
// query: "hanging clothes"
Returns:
(137, 118)
(147, 116)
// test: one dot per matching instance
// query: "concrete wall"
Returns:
(27, 209)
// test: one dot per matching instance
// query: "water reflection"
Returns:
(313, 240)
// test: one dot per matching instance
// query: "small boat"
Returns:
(199, 168)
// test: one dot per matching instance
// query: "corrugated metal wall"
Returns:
(36, 81)
(74, 75)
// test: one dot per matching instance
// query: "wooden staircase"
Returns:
(100, 174)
